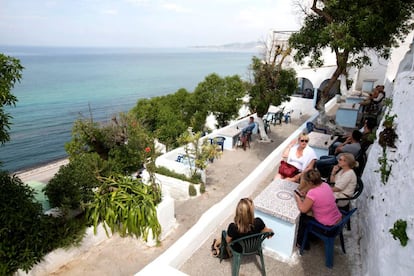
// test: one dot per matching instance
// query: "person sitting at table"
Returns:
(320, 200)
(344, 178)
(244, 222)
(374, 98)
(367, 138)
(351, 145)
(299, 155)
(246, 132)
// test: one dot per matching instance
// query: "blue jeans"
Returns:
(325, 164)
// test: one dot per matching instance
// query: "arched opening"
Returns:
(305, 88)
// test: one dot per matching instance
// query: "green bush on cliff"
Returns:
(26, 234)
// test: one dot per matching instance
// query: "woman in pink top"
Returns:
(320, 199)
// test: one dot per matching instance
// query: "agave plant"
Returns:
(127, 206)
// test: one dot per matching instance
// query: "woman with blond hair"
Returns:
(244, 224)
(299, 155)
(344, 178)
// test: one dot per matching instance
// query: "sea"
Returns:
(62, 84)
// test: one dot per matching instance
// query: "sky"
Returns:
(142, 23)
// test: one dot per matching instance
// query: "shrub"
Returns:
(192, 190)
(26, 234)
(73, 183)
(202, 188)
(196, 179)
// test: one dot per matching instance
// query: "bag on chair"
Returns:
(220, 249)
(287, 170)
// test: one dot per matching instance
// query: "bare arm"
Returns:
(305, 205)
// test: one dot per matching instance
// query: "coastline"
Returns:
(42, 173)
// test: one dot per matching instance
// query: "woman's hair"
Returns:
(244, 215)
(312, 176)
(349, 159)
(304, 136)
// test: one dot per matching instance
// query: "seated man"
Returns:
(351, 145)
(247, 132)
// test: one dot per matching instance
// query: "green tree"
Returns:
(222, 97)
(349, 29)
(71, 187)
(270, 84)
(10, 73)
(166, 116)
(120, 142)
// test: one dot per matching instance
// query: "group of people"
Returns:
(317, 193)
(315, 198)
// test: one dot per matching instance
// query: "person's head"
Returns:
(244, 215)
(303, 139)
(312, 177)
(347, 159)
(251, 119)
(370, 124)
(356, 135)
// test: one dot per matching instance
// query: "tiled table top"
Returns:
(278, 200)
(321, 140)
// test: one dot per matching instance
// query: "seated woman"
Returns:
(344, 178)
(320, 200)
(300, 155)
(244, 222)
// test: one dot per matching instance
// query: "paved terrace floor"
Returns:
(126, 256)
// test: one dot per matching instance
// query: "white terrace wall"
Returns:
(381, 205)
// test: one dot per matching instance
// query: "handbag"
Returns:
(287, 170)
(220, 248)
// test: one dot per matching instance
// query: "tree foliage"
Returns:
(222, 97)
(72, 186)
(271, 84)
(26, 234)
(10, 73)
(350, 29)
(121, 142)
(169, 116)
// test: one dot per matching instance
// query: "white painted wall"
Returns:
(381, 205)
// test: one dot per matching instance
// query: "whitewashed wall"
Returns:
(381, 205)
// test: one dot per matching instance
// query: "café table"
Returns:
(321, 142)
(276, 206)
(347, 114)
(231, 134)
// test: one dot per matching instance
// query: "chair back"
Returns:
(358, 191)
(311, 127)
(331, 231)
(250, 244)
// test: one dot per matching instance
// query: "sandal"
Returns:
(214, 250)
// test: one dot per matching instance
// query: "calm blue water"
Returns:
(60, 84)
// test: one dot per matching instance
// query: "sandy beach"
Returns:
(43, 173)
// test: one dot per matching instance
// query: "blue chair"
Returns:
(358, 191)
(328, 235)
(250, 245)
(311, 127)
(219, 140)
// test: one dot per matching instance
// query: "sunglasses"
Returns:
(304, 141)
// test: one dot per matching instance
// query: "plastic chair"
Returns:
(219, 140)
(311, 127)
(328, 235)
(250, 245)
(358, 191)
